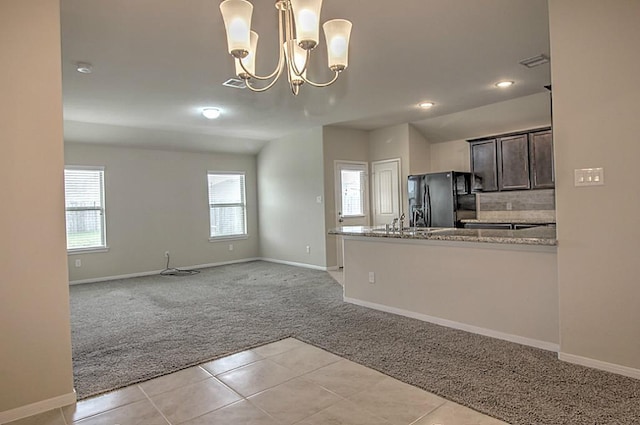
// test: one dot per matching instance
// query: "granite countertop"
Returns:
(531, 236)
(509, 220)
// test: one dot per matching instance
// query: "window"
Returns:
(84, 204)
(227, 205)
(352, 192)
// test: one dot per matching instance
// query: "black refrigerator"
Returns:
(440, 199)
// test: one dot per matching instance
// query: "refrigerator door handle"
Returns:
(427, 206)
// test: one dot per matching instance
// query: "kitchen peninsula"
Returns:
(500, 283)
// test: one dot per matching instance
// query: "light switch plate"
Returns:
(589, 176)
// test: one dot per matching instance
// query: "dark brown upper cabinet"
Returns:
(516, 161)
(484, 165)
(541, 160)
(513, 163)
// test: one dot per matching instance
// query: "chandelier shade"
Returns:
(306, 14)
(249, 61)
(297, 71)
(298, 34)
(337, 33)
(237, 21)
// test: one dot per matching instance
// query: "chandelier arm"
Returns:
(276, 72)
(260, 89)
(292, 61)
(327, 84)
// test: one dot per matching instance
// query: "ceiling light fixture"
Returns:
(211, 113)
(84, 67)
(298, 22)
(504, 84)
(426, 105)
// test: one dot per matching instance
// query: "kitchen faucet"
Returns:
(402, 223)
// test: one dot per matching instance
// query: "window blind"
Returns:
(84, 204)
(227, 205)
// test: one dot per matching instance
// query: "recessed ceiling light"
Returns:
(504, 84)
(426, 105)
(84, 67)
(211, 113)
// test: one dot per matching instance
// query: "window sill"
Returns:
(77, 251)
(228, 238)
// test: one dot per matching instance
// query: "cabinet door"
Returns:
(513, 163)
(542, 165)
(483, 166)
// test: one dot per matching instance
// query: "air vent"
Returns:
(535, 61)
(234, 83)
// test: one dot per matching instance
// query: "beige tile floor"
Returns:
(286, 382)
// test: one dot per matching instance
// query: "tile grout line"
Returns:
(64, 419)
(429, 412)
(154, 405)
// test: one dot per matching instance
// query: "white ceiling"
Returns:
(158, 62)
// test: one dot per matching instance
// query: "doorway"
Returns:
(352, 198)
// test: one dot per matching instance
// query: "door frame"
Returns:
(337, 190)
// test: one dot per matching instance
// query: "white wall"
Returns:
(596, 109)
(35, 353)
(339, 144)
(290, 177)
(450, 156)
(157, 201)
(419, 152)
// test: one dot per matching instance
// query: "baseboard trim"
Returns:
(293, 263)
(38, 407)
(598, 364)
(333, 268)
(544, 345)
(153, 272)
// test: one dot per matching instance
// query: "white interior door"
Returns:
(386, 191)
(352, 197)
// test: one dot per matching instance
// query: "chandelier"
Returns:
(298, 22)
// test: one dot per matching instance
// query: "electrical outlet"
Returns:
(78, 263)
(308, 249)
(372, 277)
(230, 247)
(166, 254)
(509, 206)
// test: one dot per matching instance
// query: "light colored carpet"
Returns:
(131, 330)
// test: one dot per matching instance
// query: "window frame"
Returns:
(103, 210)
(243, 204)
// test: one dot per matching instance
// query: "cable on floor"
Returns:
(172, 271)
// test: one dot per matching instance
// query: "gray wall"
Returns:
(290, 178)
(595, 106)
(35, 358)
(156, 201)
(470, 284)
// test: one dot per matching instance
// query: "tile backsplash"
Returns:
(524, 204)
